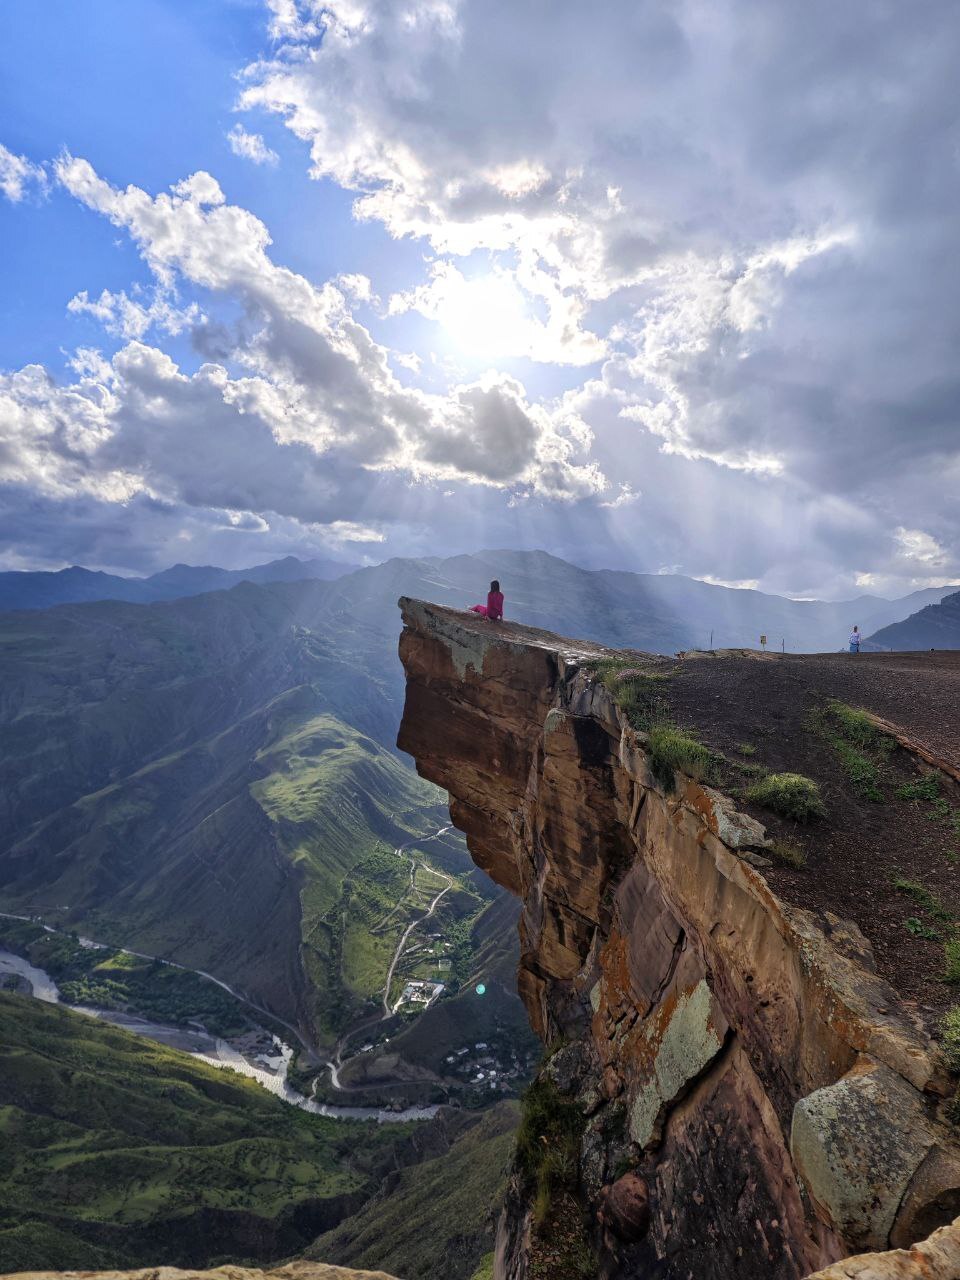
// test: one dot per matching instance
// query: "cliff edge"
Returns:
(731, 1087)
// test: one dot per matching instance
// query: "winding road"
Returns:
(387, 1011)
(333, 1063)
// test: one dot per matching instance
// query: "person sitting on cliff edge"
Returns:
(493, 609)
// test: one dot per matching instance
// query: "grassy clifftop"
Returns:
(115, 1151)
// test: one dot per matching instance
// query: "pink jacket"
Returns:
(495, 605)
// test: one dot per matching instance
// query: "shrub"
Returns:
(746, 748)
(951, 956)
(670, 750)
(950, 1033)
(789, 852)
(641, 695)
(789, 794)
(920, 930)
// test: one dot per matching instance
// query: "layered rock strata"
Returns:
(772, 1103)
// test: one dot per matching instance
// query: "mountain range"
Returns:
(935, 627)
(661, 612)
(42, 589)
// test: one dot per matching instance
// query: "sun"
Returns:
(486, 316)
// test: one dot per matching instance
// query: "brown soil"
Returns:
(856, 851)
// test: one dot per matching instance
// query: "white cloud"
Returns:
(735, 584)
(129, 318)
(250, 146)
(921, 547)
(316, 407)
(18, 175)
(747, 212)
(358, 288)
(625, 498)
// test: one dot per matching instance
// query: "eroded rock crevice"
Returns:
(756, 1100)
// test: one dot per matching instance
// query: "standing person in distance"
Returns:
(855, 638)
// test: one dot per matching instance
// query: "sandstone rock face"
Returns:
(775, 1105)
(295, 1271)
(935, 1259)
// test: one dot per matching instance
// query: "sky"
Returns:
(670, 287)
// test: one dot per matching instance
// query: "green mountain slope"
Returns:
(197, 781)
(115, 1151)
(434, 1221)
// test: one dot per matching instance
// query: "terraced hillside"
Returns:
(115, 1151)
(211, 781)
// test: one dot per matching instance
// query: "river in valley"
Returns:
(269, 1071)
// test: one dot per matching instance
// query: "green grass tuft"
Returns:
(916, 926)
(548, 1144)
(863, 773)
(641, 695)
(923, 897)
(857, 727)
(746, 748)
(789, 852)
(672, 751)
(789, 794)
(861, 746)
(485, 1269)
(951, 957)
(925, 788)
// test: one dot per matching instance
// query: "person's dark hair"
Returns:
(494, 585)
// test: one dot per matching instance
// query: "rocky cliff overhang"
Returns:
(737, 1054)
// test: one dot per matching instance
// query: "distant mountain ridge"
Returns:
(661, 612)
(935, 627)
(76, 585)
